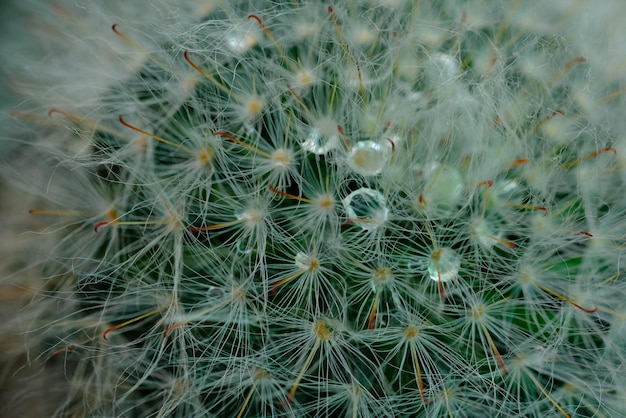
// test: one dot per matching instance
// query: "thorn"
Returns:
(566, 299)
(288, 195)
(372, 319)
(151, 135)
(100, 224)
(130, 321)
(243, 144)
(590, 156)
(566, 68)
(66, 349)
(521, 206)
(547, 118)
(519, 162)
(344, 137)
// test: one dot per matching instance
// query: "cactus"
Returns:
(368, 208)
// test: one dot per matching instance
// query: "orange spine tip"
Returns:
(260, 22)
(510, 244)
(442, 292)
(519, 162)
(65, 349)
(288, 195)
(344, 137)
(171, 328)
(100, 224)
(371, 324)
(487, 183)
(585, 233)
(190, 62)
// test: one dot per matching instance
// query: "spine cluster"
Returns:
(369, 208)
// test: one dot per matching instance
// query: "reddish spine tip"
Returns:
(519, 161)
(588, 234)
(275, 190)
(255, 17)
(114, 27)
(370, 324)
(99, 225)
(558, 112)
(53, 110)
(510, 244)
(442, 292)
(610, 149)
(340, 130)
(330, 9)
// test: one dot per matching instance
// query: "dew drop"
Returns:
(441, 68)
(366, 208)
(244, 247)
(321, 140)
(241, 40)
(215, 293)
(443, 190)
(369, 158)
(444, 264)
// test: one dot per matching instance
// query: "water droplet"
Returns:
(444, 264)
(489, 235)
(441, 68)
(242, 39)
(369, 158)
(244, 247)
(215, 293)
(321, 140)
(366, 208)
(443, 190)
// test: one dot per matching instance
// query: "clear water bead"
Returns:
(366, 208)
(443, 190)
(322, 139)
(444, 264)
(369, 158)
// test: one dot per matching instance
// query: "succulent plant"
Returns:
(365, 208)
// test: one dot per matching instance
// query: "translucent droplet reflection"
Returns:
(444, 264)
(443, 190)
(320, 141)
(366, 208)
(369, 158)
